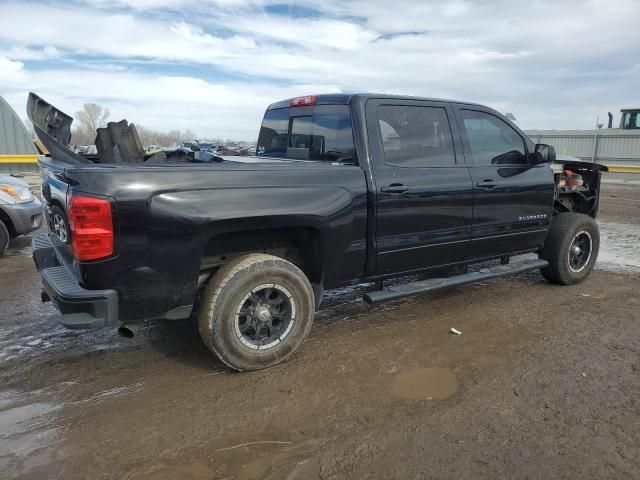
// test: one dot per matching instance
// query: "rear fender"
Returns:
(210, 219)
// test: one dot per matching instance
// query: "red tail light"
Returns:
(303, 101)
(91, 227)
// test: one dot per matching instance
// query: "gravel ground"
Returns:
(543, 383)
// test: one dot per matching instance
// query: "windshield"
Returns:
(322, 133)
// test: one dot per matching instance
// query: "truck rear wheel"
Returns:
(4, 238)
(571, 248)
(256, 311)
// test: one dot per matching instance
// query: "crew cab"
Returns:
(344, 189)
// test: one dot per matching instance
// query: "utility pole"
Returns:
(595, 140)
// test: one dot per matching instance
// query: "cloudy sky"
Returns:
(214, 65)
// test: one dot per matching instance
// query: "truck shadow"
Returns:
(341, 308)
(180, 341)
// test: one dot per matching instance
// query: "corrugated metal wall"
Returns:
(14, 139)
(18, 168)
(610, 146)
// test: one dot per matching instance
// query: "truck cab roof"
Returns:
(347, 98)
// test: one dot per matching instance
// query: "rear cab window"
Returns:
(321, 132)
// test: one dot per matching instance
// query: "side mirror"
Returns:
(544, 153)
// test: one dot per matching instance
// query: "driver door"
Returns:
(513, 198)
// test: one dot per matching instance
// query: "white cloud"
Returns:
(157, 101)
(25, 53)
(12, 72)
(213, 65)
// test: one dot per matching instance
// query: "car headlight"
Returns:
(18, 193)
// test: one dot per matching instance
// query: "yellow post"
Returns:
(18, 159)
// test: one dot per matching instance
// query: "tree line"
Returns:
(93, 116)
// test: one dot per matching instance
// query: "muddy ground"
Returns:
(543, 383)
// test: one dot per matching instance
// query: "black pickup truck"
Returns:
(344, 189)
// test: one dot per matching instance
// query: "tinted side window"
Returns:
(272, 140)
(492, 141)
(325, 134)
(415, 136)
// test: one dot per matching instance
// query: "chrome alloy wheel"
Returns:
(580, 251)
(265, 316)
(60, 227)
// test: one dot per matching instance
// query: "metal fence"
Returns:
(608, 146)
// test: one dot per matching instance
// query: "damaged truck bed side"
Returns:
(116, 143)
(344, 189)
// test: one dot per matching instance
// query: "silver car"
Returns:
(20, 210)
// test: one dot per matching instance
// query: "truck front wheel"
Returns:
(256, 311)
(571, 248)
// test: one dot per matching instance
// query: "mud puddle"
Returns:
(187, 471)
(619, 247)
(244, 461)
(435, 383)
(26, 432)
(253, 470)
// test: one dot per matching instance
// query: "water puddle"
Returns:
(112, 392)
(619, 247)
(19, 252)
(187, 471)
(26, 434)
(253, 470)
(434, 383)
(12, 420)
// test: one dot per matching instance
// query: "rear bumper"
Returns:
(80, 308)
(26, 217)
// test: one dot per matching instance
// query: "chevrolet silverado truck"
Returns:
(343, 190)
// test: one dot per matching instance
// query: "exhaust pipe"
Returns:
(128, 330)
(610, 125)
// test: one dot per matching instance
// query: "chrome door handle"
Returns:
(395, 188)
(488, 183)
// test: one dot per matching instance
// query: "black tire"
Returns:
(60, 225)
(4, 238)
(571, 248)
(228, 305)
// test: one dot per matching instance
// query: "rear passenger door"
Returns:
(513, 199)
(423, 193)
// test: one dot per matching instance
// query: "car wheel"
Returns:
(59, 224)
(256, 311)
(571, 248)
(4, 238)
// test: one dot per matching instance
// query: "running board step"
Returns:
(404, 290)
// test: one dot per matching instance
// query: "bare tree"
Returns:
(93, 116)
(164, 139)
(82, 136)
